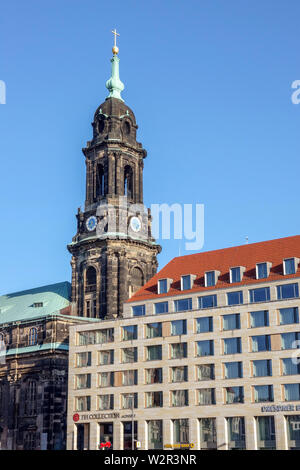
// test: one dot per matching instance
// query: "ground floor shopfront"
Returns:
(275, 430)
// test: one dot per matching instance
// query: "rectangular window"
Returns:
(231, 322)
(232, 345)
(86, 337)
(186, 282)
(259, 318)
(287, 291)
(106, 402)
(265, 426)
(153, 376)
(155, 434)
(129, 333)
(161, 307)
(154, 399)
(162, 286)
(207, 301)
(180, 398)
(153, 330)
(205, 348)
(290, 340)
(234, 395)
(289, 266)
(182, 305)
(259, 295)
(154, 353)
(106, 357)
(235, 298)
(106, 379)
(105, 336)
(263, 393)
(83, 359)
(178, 350)
(179, 374)
(233, 370)
(83, 381)
(178, 327)
(206, 396)
(290, 366)
(261, 343)
(128, 355)
(138, 310)
(288, 316)
(262, 368)
(204, 325)
(208, 433)
(236, 433)
(181, 431)
(210, 279)
(129, 401)
(205, 372)
(291, 392)
(83, 403)
(129, 377)
(261, 271)
(293, 430)
(235, 274)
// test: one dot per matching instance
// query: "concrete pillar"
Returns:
(221, 433)
(281, 432)
(250, 431)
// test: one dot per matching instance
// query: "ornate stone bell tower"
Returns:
(113, 252)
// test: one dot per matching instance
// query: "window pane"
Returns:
(154, 353)
(287, 291)
(263, 393)
(236, 432)
(138, 310)
(260, 318)
(163, 286)
(206, 372)
(262, 271)
(290, 367)
(204, 325)
(260, 295)
(210, 278)
(290, 267)
(206, 396)
(232, 345)
(183, 304)
(129, 332)
(262, 368)
(260, 343)
(231, 322)
(205, 348)
(178, 327)
(234, 395)
(288, 315)
(291, 392)
(233, 370)
(161, 307)
(236, 274)
(207, 301)
(235, 298)
(153, 330)
(290, 341)
(186, 282)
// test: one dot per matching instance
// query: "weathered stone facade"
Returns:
(112, 261)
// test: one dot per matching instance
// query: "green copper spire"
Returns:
(114, 84)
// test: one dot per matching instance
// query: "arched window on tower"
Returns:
(30, 398)
(128, 182)
(99, 181)
(136, 280)
(90, 279)
(32, 337)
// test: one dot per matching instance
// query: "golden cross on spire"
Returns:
(115, 39)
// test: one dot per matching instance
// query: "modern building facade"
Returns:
(34, 337)
(206, 356)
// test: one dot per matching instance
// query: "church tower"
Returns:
(113, 252)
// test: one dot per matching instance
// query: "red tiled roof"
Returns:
(273, 251)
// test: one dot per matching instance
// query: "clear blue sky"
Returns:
(210, 84)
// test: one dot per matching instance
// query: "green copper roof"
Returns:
(114, 84)
(20, 306)
(36, 348)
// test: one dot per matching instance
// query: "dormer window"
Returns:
(187, 281)
(211, 278)
(236, 274)
(38, 304)
(263, 270)
(163, 285)
(290, 266)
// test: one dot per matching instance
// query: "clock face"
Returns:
(135, 224)
(91, 223)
